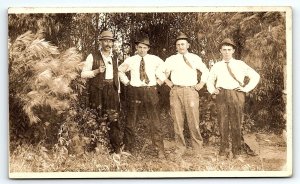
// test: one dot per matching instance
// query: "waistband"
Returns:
(108, 80)
(179, 86)
(235, 89)
(143, 87)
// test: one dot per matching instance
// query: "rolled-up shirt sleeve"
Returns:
(87, 71)
(123, 68)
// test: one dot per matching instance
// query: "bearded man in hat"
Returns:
(142, 92)
(226, 81)
(184, 96)
(101, 67)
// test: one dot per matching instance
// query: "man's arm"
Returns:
(205, 73)
(87, 71)
(253, 76)
(159, 62)
(211, 81)
(162, 71)
(123, 68)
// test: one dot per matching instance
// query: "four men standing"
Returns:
(179, 72)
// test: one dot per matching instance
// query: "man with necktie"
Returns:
(101, 68)
(184, 97)
(226, 81)
(142, 92)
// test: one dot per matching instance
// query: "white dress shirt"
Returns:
(87, 71)
(181, 73)
(219, 76)
(132, 64)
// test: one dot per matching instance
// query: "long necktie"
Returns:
(187, 61)
(232, 74)
(143, 75)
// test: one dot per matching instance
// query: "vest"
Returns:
(97, 81)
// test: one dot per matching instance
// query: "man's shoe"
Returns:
(251, 153)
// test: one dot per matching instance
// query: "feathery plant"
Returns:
(40, 75)
(43, 87)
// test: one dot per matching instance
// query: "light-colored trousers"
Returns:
(184, 101)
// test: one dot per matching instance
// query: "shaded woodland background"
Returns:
(48, 99)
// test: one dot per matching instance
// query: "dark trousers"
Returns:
(106, 101)
(146, 97)
(230, 105)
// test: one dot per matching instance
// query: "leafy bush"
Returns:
(41, 85)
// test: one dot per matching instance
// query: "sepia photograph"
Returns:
(150, 92)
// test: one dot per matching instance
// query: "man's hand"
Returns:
(217, 91)
(169, 83)
(241, 89)
(96, 72)
(127, 84)
(199, 86)
(102, 68)
(159, 82)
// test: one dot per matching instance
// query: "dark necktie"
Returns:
(143, 75)
(187, 61)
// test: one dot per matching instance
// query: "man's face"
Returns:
(227, 52)
(142, 49)
(106, 45)
(182, 46)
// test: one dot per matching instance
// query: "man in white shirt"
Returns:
(101, 68)
(142, 91)
(226, 80)
(184, 96)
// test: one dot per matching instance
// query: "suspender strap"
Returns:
(232, 74)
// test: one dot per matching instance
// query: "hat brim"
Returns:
(182, 39)
(137, 42)
(108, 38)
(226, 43)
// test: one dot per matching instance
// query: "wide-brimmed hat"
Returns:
(181, 36)
(106, 35)
(144, 40)
(227, 41)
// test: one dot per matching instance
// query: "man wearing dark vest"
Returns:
(101, 67)
(226, 81)
(142, 92)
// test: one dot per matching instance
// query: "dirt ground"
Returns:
(271, 150)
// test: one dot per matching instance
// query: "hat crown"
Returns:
(227, 41)
(182, 36)
(144, 40)
(106, 35)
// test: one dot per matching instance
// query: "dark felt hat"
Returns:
(182, 36)
(144, 40)
(227, 41)
(106, 35)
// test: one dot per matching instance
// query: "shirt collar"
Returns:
(143, 56)
(187, 53)
(232, 59)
